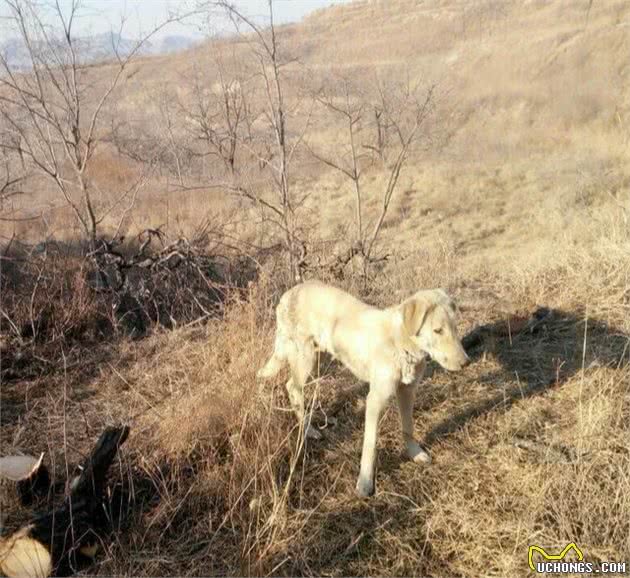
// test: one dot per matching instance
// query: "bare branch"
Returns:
(55, 108)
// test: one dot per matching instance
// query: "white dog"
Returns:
(385, 347)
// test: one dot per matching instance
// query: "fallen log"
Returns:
(63, 539)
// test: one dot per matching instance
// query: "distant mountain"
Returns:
(174, 43)
(15, 53)
(93, 49)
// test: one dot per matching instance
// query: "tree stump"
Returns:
(24, 479)
(60, 540)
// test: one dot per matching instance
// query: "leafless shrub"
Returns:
(47, 306)
(399, 114)
(225, 120)
(219, 116)
(53, 113)
(55, 297)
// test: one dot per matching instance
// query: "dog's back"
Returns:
(310, 311)
(312, 305)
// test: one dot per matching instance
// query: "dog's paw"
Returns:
(365, 488)
(417, 454)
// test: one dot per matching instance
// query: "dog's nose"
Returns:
(466, 361)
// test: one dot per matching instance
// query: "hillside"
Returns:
(538, 98)
(532, 117)
(515, 198)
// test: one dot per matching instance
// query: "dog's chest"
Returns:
(351, 348)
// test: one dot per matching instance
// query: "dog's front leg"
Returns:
(406, 395)
(377, 399)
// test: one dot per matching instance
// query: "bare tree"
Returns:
(220, 116)
(12, 180)
(406, 115)
(399, 114)
(54, 110)
(349, 162)
(273, 151)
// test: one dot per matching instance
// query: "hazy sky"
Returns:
(142, 15)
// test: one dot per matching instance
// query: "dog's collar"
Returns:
(414, 357)
(409, 362)
(410, 350)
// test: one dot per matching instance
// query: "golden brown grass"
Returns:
(222, 486)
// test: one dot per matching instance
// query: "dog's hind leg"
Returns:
(302, 359)
(406, 395)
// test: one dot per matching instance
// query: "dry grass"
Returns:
(222, 487)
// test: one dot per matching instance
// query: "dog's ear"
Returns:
(414, 314)
(450, 303)
(454, 307)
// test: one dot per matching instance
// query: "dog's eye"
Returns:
(438, 330)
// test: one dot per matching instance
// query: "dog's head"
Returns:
(427, 324)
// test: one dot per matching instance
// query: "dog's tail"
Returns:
(283, 344)
(277, 360)
(271, 368)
